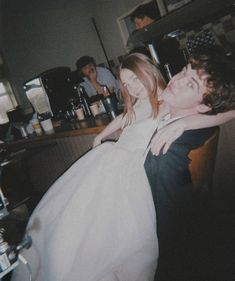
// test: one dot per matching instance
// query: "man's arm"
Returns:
(167, 135)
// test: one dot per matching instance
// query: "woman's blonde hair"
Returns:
(146, 72)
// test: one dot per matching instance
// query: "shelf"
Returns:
(191, 15)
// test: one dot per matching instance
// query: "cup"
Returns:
(94, 109)
(37, 127)
(47, 126)
(80, 113)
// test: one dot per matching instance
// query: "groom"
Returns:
(206, 86)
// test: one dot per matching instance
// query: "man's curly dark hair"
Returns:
(220, 96)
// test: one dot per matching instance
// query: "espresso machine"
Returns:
(56, 84)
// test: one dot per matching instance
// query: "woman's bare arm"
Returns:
(167, 135)
(109, 129)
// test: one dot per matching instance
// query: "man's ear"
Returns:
(202, 108)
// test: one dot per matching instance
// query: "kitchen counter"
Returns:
(48, 156)
(62, 129)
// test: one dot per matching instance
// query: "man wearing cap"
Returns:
(95, 76)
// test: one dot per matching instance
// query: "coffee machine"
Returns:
(57, 86)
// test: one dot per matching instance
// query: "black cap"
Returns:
(83, 61)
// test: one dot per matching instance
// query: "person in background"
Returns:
(97, 221)
(168, 51)
(145, 14)
(205, 86)
(95, 76)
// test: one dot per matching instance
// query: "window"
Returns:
(7, 97)
(7, 101)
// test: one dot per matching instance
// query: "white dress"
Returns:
(97, 221)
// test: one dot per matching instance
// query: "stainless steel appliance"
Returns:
(56, 84)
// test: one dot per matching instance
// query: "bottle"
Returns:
(110, 107)
(72, 105)
(80, 102)
(84, 101)
(106, 91)
(168, 71)
(23, 131)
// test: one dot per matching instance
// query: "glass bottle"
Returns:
(84, 100)
(106, 91)
(168, 71)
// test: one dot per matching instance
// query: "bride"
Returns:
(97, 221)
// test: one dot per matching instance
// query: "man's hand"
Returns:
(166, 136)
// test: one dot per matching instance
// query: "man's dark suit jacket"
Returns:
(171, 186)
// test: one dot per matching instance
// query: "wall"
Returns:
(39, 35)
(110, 33)
(1, 25)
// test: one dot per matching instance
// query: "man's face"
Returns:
(88, 70)
(186, 89)
(140, 23)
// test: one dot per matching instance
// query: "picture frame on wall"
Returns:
(172, 5)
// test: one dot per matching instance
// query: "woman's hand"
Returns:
(112, 127)
(97, 141)
(166, 136)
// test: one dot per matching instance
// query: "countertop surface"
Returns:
(63, 129)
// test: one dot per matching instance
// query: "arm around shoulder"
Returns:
(204, 121)
(168, 134)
